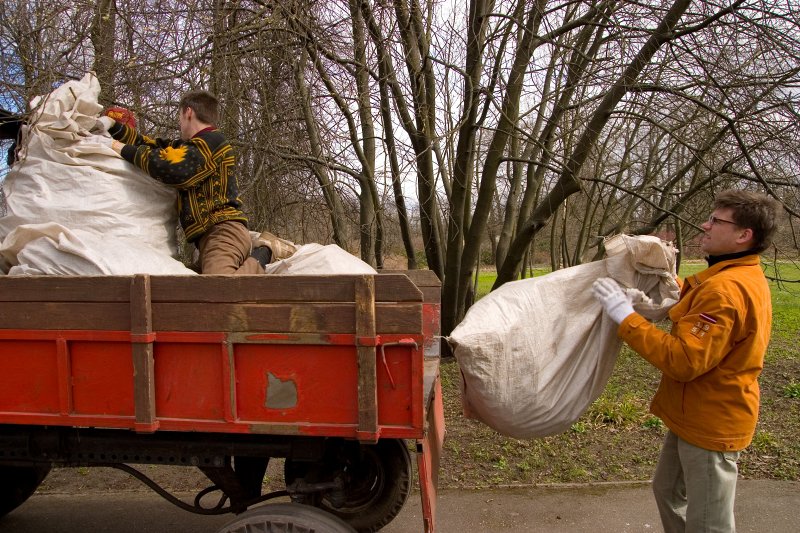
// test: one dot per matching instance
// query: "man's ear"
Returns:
(745, 236)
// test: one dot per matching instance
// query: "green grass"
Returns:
(487, 278)
(792, 390)
(786, 304)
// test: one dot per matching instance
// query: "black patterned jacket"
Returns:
(201, 169)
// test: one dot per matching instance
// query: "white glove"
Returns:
(615, 301)
(102, 125)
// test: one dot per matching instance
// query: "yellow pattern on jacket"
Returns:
(711, 360)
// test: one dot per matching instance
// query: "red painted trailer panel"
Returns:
(29, 377)
(190, 382)
(205, 382)
(100, 373)
(327, 356)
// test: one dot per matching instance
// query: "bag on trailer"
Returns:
(74, 206)
(315, 258)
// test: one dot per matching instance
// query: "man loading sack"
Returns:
(710, 362)
(201, 166)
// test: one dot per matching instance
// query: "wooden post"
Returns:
(142, 338)
(366, 341)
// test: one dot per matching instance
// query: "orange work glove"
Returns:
(121, 115)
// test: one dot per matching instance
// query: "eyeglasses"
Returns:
(716, 220)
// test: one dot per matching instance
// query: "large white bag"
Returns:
(106, 214)
(316, 258)
(52, 249)
(535, 353)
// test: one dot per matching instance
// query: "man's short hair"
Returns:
(204, 104)
(751, 210)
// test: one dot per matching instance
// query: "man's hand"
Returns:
(615, 302)
(105, 140)
(102, 125)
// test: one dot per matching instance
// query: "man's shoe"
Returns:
(262, 254)
(281, 248)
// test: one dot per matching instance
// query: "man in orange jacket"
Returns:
(710, 362)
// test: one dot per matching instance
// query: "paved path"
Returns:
(761, 506)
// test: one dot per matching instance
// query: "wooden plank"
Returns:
(289, 318)
(144, 385)
(429, 454)
(425, 280)
(395, 287)
(432, 295)
(401, 318)
(251, 289)
(420, 277)
(66, 315)
(367, 360)
(64, 288)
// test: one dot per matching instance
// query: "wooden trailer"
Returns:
(338, 375)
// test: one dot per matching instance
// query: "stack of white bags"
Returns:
(75, 207)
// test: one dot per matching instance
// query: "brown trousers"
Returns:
(225, 249)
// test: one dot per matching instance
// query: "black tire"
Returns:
(17, 483)
(377, 482)
(286, 517)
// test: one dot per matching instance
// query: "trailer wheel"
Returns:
(17, 483)
(286, 517)
(377, 482)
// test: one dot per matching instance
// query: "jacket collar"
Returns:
(751, 259)
(204, 130)
(714, 259)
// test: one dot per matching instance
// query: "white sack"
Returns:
(89, 190)
(51, 249)
(318, 259)
(535, 353)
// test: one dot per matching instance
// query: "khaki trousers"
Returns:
(695, 488)
(225, 249)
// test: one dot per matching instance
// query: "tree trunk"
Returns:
(103, 30)
(329, 193)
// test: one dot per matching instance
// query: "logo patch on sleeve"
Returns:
(700, 328)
